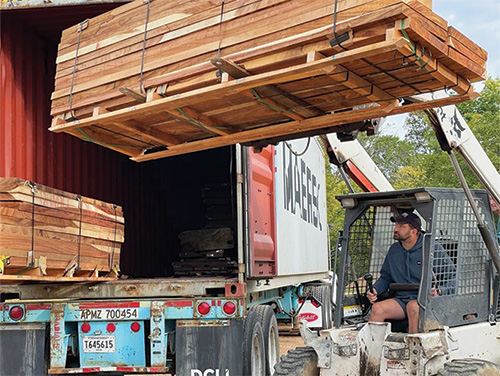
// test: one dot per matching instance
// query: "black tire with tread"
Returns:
(326, 311)
(322, 293)
(269, 328)
(469, 367)
(302, 361)
(251, 331)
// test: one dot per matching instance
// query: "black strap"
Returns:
(32, 185)
(112, 258)
(219, 71)
(141, 87)
(81, 26)
(337, 39)
(79, 199)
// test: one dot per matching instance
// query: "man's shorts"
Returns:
(403, 302)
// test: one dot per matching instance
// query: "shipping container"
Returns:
(272, 204)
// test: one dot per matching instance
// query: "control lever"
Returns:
(369, 281)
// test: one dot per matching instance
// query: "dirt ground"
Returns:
(289, 339)
(289, 342)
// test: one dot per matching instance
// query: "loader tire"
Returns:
(269, 325)
(301, 361)
(469, 367)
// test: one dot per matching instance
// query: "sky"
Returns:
(479, 20)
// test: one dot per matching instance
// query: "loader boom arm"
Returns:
(353, 160)
(454, 133)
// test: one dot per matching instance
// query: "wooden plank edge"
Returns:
(395, 11)
(29, 278)
(336, 119)
(151, 65)
(323, 66)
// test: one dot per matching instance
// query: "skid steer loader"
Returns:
(458, 332)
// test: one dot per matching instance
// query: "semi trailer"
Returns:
(252, 242)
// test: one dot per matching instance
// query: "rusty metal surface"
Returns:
(58, 347)
(200, 323)
(165, 287)
(101, 370)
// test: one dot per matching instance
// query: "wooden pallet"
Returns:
(16, 279)
(204, 267)
(280, 75)
(206, 239)
(50, 233)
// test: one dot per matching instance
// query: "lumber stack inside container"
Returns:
(160, 78)
(46, 233)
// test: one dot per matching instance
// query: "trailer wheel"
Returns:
(469, 367)
(326, 308)
(254, 358)
(302, 361)
(271, 335)
(323, 294)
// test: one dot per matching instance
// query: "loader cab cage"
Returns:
(449, 224)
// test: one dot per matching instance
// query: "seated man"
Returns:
(403, 264)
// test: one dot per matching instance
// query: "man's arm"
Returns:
(498, 231)
(385, 279)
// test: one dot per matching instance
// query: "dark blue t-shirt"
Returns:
(405, 266)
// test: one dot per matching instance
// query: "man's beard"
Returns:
(400, 237)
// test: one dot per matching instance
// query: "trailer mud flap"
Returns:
(23, 350)
(209, 348)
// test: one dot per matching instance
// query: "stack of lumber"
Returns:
(218, 205)
(203, 252)
(206, 75)
(51, 233)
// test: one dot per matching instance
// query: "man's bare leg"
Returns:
(387, 309)
(412, 311)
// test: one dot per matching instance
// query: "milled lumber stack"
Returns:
(269, 70)
(48, 233)
(206, 252)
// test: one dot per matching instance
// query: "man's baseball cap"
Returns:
(410, 218)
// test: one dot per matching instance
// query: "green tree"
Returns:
(334, 186)
(482, 116)
(389, 153)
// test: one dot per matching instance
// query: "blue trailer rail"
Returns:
(121, 335)
(158, 335)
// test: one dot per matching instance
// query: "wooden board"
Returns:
(206, 239)
(16, 279)
(267, 71)
(48, 232)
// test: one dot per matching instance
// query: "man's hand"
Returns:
(372, 297)
(436, 291)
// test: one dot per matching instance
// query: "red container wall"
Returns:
(29, 151)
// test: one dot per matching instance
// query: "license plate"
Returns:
(108, 314)
(99, 344)
(352, 311)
